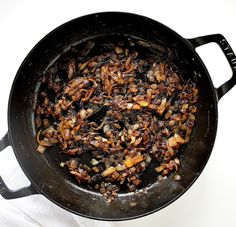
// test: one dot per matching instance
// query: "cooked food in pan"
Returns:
(125, 105)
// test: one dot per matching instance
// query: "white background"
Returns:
(211, 200)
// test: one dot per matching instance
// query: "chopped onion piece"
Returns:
(177, 177)
(108, 171)
(62, 164)
(41, 149)
(94, 162)
(148, 159)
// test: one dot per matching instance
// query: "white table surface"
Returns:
(211, 200)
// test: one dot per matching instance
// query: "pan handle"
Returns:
(229, 54)
(4, 142)
(4, 190)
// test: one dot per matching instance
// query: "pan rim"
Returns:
(10, 131)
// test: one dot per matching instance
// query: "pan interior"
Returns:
(84, 51)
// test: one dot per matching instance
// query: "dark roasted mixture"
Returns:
(126, 111)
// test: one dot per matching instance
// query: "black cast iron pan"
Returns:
(43, 171)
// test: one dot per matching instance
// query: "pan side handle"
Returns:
(229, 54)
(4, 142)
(4, 190)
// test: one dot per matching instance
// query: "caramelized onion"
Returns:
(126, 109)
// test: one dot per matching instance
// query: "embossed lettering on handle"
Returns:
(229, 53)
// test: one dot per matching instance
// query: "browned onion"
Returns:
(125, 107)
